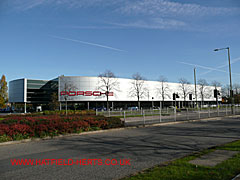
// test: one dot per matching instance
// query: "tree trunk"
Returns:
(138, 104)
(107, 103)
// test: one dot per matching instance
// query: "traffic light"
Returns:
(231, 93)
(190, 97)
(175, 96)
(215, 93)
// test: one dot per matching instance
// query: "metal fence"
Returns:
(152, 116)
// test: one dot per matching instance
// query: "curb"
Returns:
(236, 177)
(115, 129)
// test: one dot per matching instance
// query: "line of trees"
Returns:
(139, 88)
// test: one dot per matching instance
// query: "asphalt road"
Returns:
(145, 147)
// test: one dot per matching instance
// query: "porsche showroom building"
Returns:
(81, 92)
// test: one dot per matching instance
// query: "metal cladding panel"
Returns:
(17, 91)
(123, 90)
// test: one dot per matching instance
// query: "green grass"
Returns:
(139, 115)
(182, 170)
(1, 119)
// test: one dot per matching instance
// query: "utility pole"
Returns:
(195, 82)
(230, 77)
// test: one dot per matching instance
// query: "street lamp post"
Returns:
(230, 76)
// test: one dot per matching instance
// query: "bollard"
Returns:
(124, 114)
(96, 112)
(187, 114)
(217, 111)
(226, 111)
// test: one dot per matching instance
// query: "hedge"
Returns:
(22, 127)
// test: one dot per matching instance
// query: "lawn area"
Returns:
(1, 119)
(181, 169)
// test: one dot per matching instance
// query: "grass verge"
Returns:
(141, 115)
(181, 169)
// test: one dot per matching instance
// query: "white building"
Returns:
(90, 92)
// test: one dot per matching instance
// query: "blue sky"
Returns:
(42, 39)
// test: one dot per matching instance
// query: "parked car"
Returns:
(101, 109)
(135, 108)
(7, 110)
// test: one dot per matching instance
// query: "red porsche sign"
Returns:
(84, 93)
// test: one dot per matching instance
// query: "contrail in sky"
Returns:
(88, 43)
(205, 67)
(233, 61)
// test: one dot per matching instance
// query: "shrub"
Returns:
(25, 126)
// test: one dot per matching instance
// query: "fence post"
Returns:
(175, 114)
(160, 112)
(199, 113)
(152, 114)
(143, 117)
(209, 114)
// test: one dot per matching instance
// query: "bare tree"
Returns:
(108, 82)
(138, 88)
(226, 91)
(67, 89)
(216, 84)
(184, 88)
(163, 88)
(236, 88)
(203, 89)
(54, 103)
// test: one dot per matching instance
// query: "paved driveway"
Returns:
(145, 147)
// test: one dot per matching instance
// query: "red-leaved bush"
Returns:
(51, 125)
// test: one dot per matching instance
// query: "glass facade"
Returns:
(40, 91)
